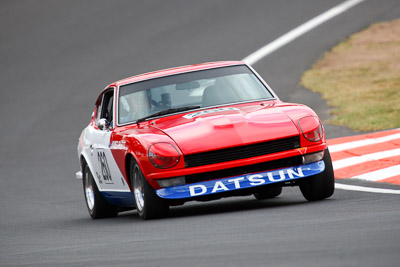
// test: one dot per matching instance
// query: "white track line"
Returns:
(379, 174)
(360, 143)
(300, 30)
(366, 189)
(339, 164)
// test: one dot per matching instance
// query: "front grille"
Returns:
(242, 152)
(259, 167)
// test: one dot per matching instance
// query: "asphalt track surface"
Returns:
(55, 58)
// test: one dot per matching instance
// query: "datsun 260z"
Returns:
(199, 132)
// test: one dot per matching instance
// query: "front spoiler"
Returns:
(241, 182)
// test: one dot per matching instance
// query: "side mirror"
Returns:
(103, 124)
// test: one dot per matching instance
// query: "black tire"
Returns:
(148, 204)
(268, 193)
(97, 206)
(322, 185)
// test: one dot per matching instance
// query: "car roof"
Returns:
(172, 71)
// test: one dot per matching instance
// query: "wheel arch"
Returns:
(85, 162)
(128, 160)
(82, 161)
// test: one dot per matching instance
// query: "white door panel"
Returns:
(106, 171)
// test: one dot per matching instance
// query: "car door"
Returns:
(107, 173)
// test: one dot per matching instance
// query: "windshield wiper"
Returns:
(167, 111)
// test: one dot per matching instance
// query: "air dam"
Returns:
(241, 182)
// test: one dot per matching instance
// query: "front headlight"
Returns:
(311, 128)
(163, 155)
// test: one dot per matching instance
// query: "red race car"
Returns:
(198, 132)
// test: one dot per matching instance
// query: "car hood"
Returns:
(220, 128)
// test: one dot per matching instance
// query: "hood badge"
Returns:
(203, 112)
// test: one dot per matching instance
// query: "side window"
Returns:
(105, 109)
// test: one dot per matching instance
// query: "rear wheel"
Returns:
(268, 193)
(97, 206)
(321, 185)
(148, 204)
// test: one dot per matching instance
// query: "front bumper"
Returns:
(241, 182)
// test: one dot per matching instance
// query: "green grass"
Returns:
(360, 79)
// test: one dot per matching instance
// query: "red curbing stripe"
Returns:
(382, 133)
(341, 155)
(391, 180)
(353, 171)
(357, 147)
(365, 150)
(375, 148)
(341, 140)
(347, 139)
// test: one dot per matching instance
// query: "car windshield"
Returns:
(199, 89)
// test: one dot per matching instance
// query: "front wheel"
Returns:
(322, 185)
(97, 206)
(148, 204)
